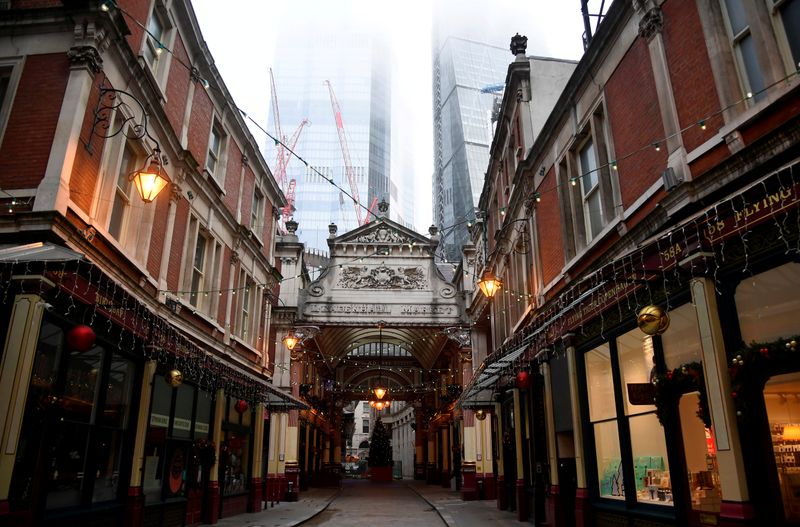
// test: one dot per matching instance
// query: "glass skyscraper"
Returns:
(357, 67)
(462, 130)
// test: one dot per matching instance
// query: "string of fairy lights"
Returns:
(210, 371)
(537, 194)
(520, 297)
(634, 285)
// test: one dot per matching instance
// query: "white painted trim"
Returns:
(17, 65)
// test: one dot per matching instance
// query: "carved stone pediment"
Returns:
(382, 232)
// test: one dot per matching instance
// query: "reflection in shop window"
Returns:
(768, 304)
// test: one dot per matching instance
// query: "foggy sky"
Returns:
(241, 35)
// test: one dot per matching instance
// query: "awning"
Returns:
(37, 252)
(277, 399)
(272, 396)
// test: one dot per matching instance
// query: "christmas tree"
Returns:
(380, 447)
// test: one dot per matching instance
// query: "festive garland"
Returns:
(670, 386)
(753, 365)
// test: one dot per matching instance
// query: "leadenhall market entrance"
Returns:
(382, 323)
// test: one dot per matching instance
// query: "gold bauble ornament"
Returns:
(652, 320)
(480, 415)
(174, 378)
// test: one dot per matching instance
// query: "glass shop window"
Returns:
(177, 454)
(77, 412)
(602, 414)
(235, 449)
(768, 304)
(701, 457)
(681, 341)
(627, 364)
(782, 399)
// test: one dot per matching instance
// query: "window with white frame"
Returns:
(786, 21)
(248, 309)
(159, 35)
(257, 213)
(121, 206)
(586, 186)
(117, 206)
(9, 76)
(216, 149)
(590, 190)
(203, 257)
(744, 47)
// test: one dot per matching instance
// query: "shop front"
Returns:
(76, 429)
(115, 417)
(178, 450)
(765, 375)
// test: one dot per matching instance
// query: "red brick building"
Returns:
(661, 192)
(138, 352)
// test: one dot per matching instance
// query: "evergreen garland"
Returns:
(753, 365)
(669, 388)
(380, 447)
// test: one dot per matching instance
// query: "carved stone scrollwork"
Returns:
(651, 24)
(316, 290)
(465, 355)
(175, 193)
(85, 56)
(383, 234)
(382, 277)
(234, 257)
(447, 291)
(460, 335)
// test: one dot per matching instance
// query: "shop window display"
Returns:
(701, 457)
(627, 363)
(782, 399)
(235, 449)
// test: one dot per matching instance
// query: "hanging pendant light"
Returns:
(379, 390)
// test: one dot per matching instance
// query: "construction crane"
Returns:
(284, 154)
(276, 117)
(289, 191)
(348, 166)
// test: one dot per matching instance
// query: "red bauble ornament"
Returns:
(81, 338)
(240, 406)
(523, 380)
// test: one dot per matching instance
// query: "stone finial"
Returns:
(519, 43)
(332, 228)
(383, 207)
(433, 230)
(291, 227)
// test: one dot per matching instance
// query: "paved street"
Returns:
(363, 503)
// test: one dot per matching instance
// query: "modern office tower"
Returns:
(462, 68)
(358, 71)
